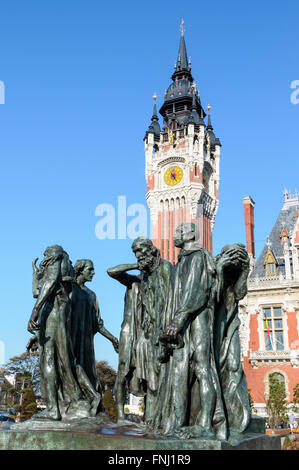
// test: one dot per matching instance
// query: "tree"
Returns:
(106, 374)
(110, 405)
(27, 366)
(295, 398)
(276, 405)
(29, 406)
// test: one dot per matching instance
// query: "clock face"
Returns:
(173, 175)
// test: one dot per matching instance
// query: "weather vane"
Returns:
(182, 28)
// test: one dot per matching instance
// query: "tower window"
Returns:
(273, 329)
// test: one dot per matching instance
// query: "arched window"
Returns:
(280, 378)
(276, 377)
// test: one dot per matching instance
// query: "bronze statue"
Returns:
(146, 312)
(193, 405)
(64, 320)
(179, 344)
(85, 322)
(232, 267)
(52, 285)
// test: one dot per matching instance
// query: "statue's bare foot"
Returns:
(52, 414)
(124, 422)
(194, 432)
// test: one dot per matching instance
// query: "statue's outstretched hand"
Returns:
(170, 333)
(33, 323)
(32, 344)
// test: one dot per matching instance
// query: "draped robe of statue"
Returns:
(193, 300)
(85, 322)
(145, 312)
(65, 387)
(59, 384)
(232, 287)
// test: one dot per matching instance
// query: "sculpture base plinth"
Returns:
(98, 434)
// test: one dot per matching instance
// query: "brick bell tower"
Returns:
(181, 162)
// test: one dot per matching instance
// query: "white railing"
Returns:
(272, 282)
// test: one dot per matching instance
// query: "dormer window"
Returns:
(270, 264)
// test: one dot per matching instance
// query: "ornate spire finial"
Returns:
(182, 29)
(209, 107)
(285, 193)
(155, 97)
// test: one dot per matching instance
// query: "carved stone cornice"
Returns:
(168, 160)
(271, 358)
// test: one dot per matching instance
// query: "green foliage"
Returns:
(287, 442)
(29, 406)
(295, 402)
(27, 366)
(110, 405)
(105, 374)
(290, 443)
(276, 405)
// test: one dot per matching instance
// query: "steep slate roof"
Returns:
(286, 220)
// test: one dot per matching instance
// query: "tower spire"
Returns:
(182, 64)
(154, 127)
(155, 115)
(209, 126)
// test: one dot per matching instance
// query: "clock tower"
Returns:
(181, 162)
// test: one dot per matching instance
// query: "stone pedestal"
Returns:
(95, 434)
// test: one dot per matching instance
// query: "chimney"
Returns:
(249, 203)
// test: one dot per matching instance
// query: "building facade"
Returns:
(181, 162)
(269, 313)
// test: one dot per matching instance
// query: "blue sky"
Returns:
(79, 78)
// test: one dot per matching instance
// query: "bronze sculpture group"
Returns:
(179, 345)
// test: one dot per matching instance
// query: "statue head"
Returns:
(147, 254)
(84, 270)
(187, 232)
(53, 251)
(52, 254)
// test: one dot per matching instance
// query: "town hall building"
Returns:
(269, 314)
